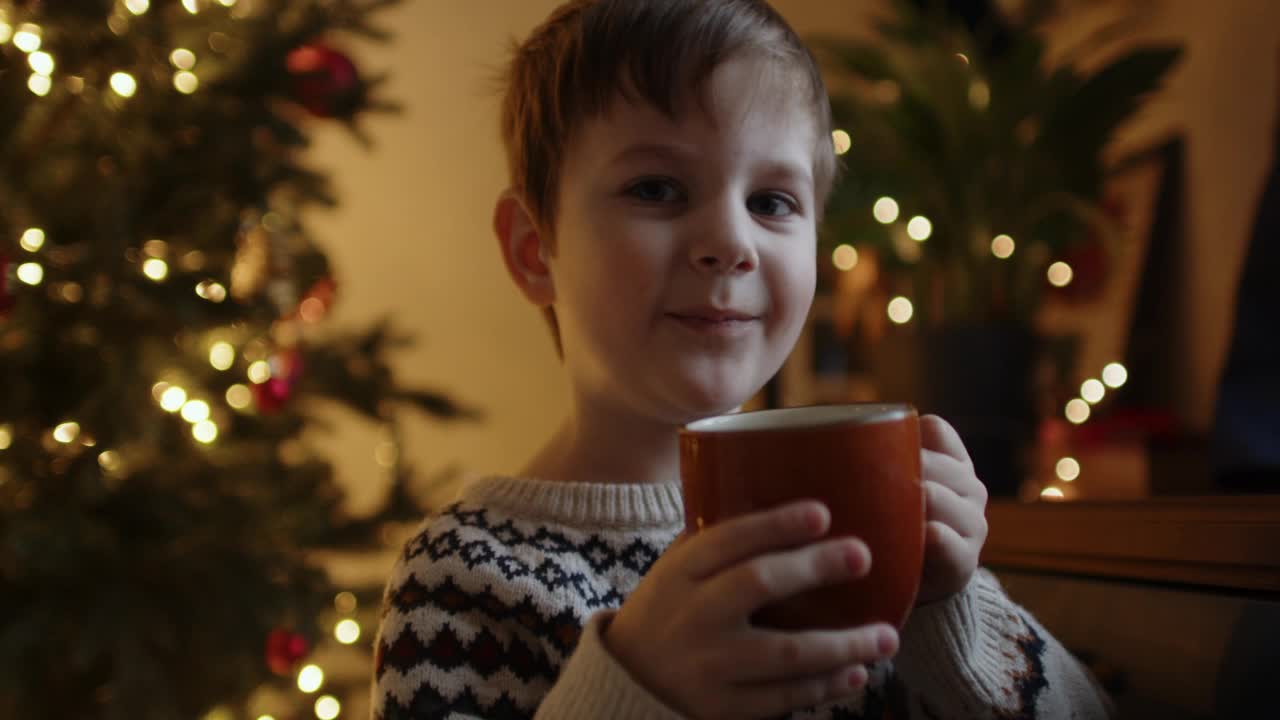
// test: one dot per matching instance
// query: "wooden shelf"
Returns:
(1226, 543)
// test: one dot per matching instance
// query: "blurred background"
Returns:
(1065, 199)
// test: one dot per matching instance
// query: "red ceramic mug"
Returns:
(862, 460)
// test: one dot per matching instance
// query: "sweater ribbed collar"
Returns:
(622, 506)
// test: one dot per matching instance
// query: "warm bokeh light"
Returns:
(885, 210)
(137, 7)
(185, 82)
(211, 291)
(31, 273)
(1092, 391)
(156, 269)
(386, 454)
(39, 84)
(962, 58)
(6, 436)
(67, 432)
(919, 228)
(259, 372)
(41, 62)
(1115, 375)
(6, 30)
(311, 310)
(979, 94)
(173, 398)
(109, 461)
(195, 411)
(1077, 411)
(1051, 493)
(32, 239)
(183, 59)
(239, 396)
(1060, 274)
(222, 355)
(192, 6)
(345, 602)
(347, 631)
(310, 678)
(1002, 246)
(124, 84)
(845, 257)
(900, 310)
(1067, 469)
(27, 38)
(206, 431)
(327, 707)
(842, 142)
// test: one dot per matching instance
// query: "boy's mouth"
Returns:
(711, 320)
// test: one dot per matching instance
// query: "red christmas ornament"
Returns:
(272, 395)
(284, 650)
(325, 81)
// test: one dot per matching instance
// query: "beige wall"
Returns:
(413, 239)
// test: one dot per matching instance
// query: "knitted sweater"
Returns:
(496, 605)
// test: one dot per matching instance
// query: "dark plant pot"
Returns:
(979, 379)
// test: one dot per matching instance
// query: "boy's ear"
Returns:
(523, 249)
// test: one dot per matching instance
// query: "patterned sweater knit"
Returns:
(496, 605)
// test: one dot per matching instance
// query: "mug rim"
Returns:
(802, 417)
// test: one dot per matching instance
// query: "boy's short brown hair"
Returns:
(589, 51)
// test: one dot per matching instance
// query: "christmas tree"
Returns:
(162, 501)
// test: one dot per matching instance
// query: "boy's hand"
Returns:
(685, 632)
(955, 510)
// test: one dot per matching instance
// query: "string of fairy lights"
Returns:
(900, 310)
(207, 417)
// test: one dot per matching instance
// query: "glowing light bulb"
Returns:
(124, 84)
(1051, 493)
(266, 717)
(347, 631)
(31, 273)
(211, 291)
(310, 678)
(205, 431)
(28, 37)
(109, 461)
(900, 310)
(173, 399)
(1067, 469)
(39, 84)
(885, 210)
(327, 707)
(195, 411)
(6, 30)
(67, 432)
(222, 355)
(185, 82)
(919, 228)
(1114, 375)
(191, 5)
(137, 7)
(1060, 274)
(842, 141)
(1077, 411)
(845, 257)
(1092, 391)
(345, 602)
(41, 63)
(259, 372)
(32, 239)
(6, 436)
(1002, 247)
(227, 3)
(962, 58)
(156, 269)
(183, 59)
(239, 396)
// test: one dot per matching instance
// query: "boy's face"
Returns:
(684, 261)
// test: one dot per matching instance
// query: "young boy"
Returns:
(669, 162)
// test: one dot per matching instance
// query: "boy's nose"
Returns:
(722, 246)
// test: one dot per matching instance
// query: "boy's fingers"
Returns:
(771, 655)
(938, 435)
(779, 698)
(739, 591)
(955, 474)
(947, 507)
(732, 541)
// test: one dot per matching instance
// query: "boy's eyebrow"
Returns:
(674, 152)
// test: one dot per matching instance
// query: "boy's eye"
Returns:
(654, 190)
(771, 204)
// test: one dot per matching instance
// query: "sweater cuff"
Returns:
(955, 645)
(594, 685)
